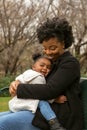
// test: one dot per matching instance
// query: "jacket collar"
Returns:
(66, 53)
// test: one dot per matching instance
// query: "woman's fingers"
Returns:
(13, 88)
(61, 99)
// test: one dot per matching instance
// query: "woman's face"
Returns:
(53, 48)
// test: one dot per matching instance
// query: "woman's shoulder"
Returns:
(69, 60)
(69, 57)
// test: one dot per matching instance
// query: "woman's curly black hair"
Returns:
(58, 28)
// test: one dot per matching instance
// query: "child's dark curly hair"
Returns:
(58, 28)
(37, 56)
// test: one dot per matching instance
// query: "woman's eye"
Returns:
(52, 48)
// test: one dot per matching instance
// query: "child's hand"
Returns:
(61, 99)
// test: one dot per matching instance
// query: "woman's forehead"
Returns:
(50, 42)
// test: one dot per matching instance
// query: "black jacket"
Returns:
(63, 79)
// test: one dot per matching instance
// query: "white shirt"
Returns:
(32, 77)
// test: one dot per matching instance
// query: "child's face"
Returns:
(42, 66)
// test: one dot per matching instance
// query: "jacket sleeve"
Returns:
(23, 77)
(66, 74)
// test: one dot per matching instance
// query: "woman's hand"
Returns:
(61, 99)
(13, 87)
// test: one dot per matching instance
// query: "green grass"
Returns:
(4, 103)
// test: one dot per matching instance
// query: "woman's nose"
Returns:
(47, 52)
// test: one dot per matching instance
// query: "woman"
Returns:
(39, 70)
(56, 36)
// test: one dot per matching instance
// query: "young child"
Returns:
(40, 69)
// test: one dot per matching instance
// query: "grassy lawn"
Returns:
(4, 103)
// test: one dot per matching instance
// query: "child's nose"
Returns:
(45, 68)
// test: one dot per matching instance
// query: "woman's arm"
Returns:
(64, 77)
(35, 79)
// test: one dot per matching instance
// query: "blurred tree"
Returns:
(19, 20)
(16, 32)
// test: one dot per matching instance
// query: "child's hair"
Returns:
(37, 56)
